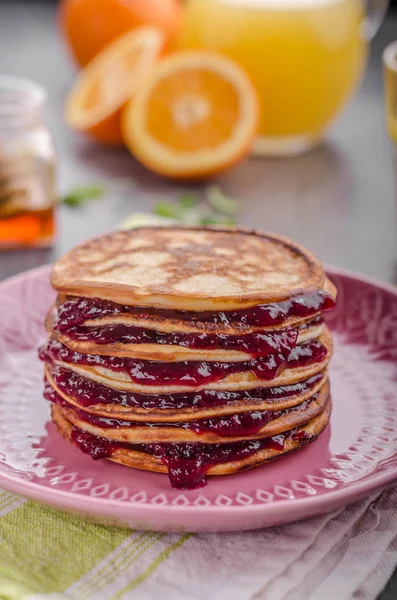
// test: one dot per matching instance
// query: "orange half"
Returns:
(95, 103)
(196, 115)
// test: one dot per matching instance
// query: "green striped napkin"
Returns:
(43, 551)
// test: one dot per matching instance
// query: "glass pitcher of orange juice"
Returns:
(305, 58)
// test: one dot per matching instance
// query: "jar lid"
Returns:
(21, 102)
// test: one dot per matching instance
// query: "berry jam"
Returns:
(186, 373)
(256, 344)
(93, 445)
(248, 423)
(89, 393)
(76, 311)
(300, 436)
(187, 463)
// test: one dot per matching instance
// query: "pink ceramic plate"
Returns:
(355, 455)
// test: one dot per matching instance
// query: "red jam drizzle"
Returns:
(300, 436)
(188, 373)
(93, 445)
(256, 344)
(248, 423)
(187, 463)
(89, 393)
(76, 311)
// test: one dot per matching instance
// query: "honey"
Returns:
(27, 166)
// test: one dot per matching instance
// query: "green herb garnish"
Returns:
(220, 202)
(168, 209)
(217, 220)
(81, 194)
(216, 209)
(188, 201)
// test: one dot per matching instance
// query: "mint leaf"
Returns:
(78, 195)
(212, 219)
(222, 203)
(188, 201)
(167, 209)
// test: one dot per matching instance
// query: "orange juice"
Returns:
(305, 58)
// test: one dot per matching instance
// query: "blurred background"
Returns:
(289, 132)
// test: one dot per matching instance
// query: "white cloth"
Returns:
(348, 554)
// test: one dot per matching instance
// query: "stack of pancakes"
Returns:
(189, 351)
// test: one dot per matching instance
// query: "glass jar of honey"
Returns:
(27, 166)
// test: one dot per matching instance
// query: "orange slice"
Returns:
(95, 103)
(196, 115)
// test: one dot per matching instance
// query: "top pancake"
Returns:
(188, 268)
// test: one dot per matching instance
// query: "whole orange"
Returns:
(90, 25)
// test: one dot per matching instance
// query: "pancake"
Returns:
(188, 268)
(177, 407)
(235, 381)
(172, 325)
(92, 312)
(164, 325)
(203, 431)
(168, 352)
(139, 459)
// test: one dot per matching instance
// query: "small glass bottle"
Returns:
(27, 166)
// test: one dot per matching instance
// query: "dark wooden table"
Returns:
(339, 200)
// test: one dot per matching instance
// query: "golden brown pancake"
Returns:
(164, 353)
(234, 382)
(142, 434)
(167, 324)
(141, 460)
(175, 415)
(245, 380)
(188, 268)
